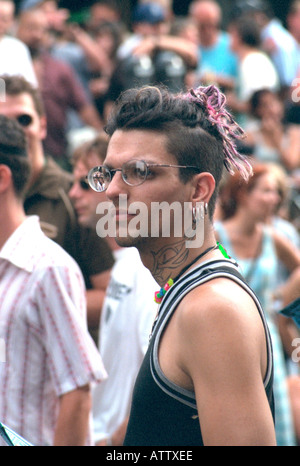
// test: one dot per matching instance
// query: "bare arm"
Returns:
(287, 253)
(183, 47)
(117, 438)
(73, 418)
(96, 57)
(224, 348)
(289, 151)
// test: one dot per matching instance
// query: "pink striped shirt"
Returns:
(49, 350)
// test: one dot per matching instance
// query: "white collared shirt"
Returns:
(49, 351)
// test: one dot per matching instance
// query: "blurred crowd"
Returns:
(80, 63)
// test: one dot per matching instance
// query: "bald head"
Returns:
(207, 15)
(206, 10)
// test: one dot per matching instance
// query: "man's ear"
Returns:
(204, 186)
(5, 178)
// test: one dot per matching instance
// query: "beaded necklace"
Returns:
(158, 295)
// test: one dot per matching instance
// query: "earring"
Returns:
(194, 215)
(205, 208)
(199, 211)
(202, 210)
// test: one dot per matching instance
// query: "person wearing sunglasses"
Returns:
(47, 196)
(207, 376)
(62, 92)
(83, 197)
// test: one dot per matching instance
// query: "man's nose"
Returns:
(116, 186)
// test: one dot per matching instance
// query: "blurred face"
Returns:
(84, 199)
(33, 29)
(270, 107)
(102, 13)
(6, 17)
(207, 18)
(263, 199)
(105, 41)
(22, 107)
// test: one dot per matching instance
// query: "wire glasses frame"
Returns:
(133, 173)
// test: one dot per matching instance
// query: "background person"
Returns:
(217, 63)
(61, 91)
(260, 250)
(277, 41)
(51, 359)
(245, 41)
(10, 46)
(47, 196)
(272, 138)
(128, 312)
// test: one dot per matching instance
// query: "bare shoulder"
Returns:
(222, 355)
(219, 301)
(220, 317)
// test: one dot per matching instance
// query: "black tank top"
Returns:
(162, 413)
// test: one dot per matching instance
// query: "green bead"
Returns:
(223, 250)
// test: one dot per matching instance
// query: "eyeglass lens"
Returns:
(99, 178)
(133, 173)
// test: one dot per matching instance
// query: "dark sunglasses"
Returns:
(24, 120)
(84, 183)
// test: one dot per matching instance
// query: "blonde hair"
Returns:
(96, 146)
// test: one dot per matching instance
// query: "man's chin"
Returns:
(129, 241)
(125, 242)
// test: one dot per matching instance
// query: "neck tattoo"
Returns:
(158, 295)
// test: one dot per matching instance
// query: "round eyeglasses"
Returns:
(133, 173)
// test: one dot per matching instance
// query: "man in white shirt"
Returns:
(256, 70)
(50, 358)
(15, 58)
(277, 41)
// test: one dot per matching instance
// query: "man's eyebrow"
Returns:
(142, 158)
